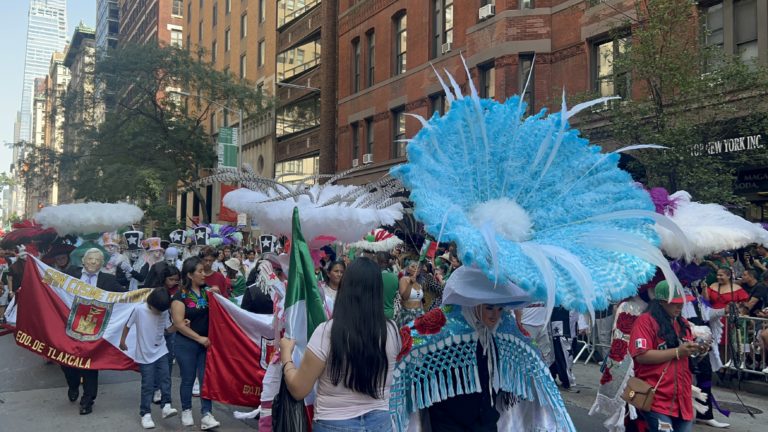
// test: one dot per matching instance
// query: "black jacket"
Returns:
(105, 281)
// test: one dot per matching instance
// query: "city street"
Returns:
(33, 397)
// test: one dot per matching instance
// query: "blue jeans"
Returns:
(169, 342)
(151, 373)
(190, 357)
(658, 423)
(372, 421)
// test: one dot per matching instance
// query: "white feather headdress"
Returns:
(86, 218)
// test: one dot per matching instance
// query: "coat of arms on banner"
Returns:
(267, 350)
(88, 319)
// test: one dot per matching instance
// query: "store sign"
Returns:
(751, 142)
(752, 181)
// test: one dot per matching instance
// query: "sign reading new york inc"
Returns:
(227, 147)
(751, 142)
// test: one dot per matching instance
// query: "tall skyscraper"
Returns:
(107, 24)
(46, 34)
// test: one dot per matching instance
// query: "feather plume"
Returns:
(85, 218)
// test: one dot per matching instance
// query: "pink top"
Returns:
(337, 402)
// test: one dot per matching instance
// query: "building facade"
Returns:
(146, 21)
(57, 83)
(37, 193)
(239, 37)
(107, 25)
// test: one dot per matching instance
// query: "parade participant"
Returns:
(250, 261)
(234, 275)
(411, 292)
(218, 264)
(172, 257)
(136, 273)
(150, 324)
(661, 343)
(351, 357)
(391, 285)
(90, 273)
(330, 284)
(214, 279)
(189, 312)
(58, 256)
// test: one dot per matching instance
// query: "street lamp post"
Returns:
(239, 122)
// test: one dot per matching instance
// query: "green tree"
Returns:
(153, 139)
(685, 94)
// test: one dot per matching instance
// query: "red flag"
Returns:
(72, 323)
(241, 346)
(227, 214)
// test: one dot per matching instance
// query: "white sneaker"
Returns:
(208, 422)
(196, 388)
(146, 422)
(157, 397)
(186, 418)
(714, 423)
(169, 411)
(765, 371)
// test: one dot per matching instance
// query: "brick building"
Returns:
(145, 21)
(386, 48)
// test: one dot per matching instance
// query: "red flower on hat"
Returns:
(624, 322)
(406, 342)
(430, 323)
(607, 377)
(618, 350)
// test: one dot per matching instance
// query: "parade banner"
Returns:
(73, 323)
(241, 346)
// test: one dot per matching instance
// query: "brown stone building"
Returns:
(386, 48)
(145, 21)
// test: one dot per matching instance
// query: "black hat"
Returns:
(177, 237)
(133, 239)
(201, 235)
(268, 243)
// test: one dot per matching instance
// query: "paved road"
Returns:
(33, 398)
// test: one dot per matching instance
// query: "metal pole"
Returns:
(240, 139)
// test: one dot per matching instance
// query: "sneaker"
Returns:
(186, 418)
(156, 397)
(208, 422)
(713, 423)
(765, 371)
(169, 411)
(146, 421)
(196, 388)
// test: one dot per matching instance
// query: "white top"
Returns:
(218, 266)
(535, 315)
(149, 328)
(339, 402)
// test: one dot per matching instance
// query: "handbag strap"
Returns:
(662, 376)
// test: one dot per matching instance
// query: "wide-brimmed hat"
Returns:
(233, 263)
(57, 250)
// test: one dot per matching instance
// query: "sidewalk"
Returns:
(588, 379)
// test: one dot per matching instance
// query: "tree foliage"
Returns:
(686, 95)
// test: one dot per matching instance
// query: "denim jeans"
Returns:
(372, 421)
(190, 356)
(151, 373)
(169, 343)
(661, 423)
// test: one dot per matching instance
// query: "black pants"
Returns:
(702, 370)
(90, 383)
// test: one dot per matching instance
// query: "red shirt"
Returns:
(674, 397)
(218, 279)
(721, 300)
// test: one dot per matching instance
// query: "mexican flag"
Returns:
(304, 309)
(73, 323)
(242, 344)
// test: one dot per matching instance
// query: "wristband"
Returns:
(677, 353)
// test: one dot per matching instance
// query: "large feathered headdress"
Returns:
(345, 212)
(531, 202)
(92, 217)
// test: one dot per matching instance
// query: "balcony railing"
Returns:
(289, 10)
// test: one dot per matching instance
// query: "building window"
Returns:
(215, 14)
(189, 41)
(201, 4)
(438, 104)
(745, 26)
(371, 39)
(243, 25)
(297, 60)
(487, 80)
(442, 32)
(214, 47)
(262, 10)
(398, 133)
(401, 43)
(527, 70)
(262, 52)
(608, 80)
(189, 11)
(227, 40)
(526, 4)
(713, 26)
(298, 116)
(369, 136)
(227, 6)
(356, 65)
(242, 66)
(199, 32)
(176, 39)
(355, 130)
(177, 8)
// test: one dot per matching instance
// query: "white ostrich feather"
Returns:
(708, 227)
(86, 218)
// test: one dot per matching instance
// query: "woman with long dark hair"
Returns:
(660, 344)
(411, 290)
(331, 283)
(189, 312)
(351, 357)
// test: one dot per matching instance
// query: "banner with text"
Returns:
(73, 323)
(227, 147)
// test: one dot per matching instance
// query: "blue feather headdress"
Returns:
(533, 203)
